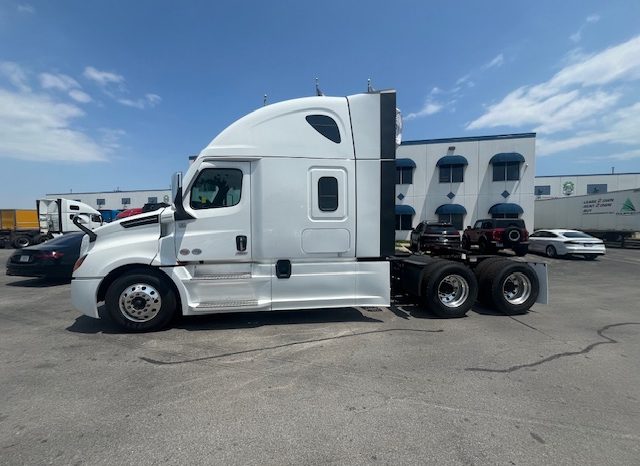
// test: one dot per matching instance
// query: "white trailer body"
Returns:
(610, 214)
(56, 216)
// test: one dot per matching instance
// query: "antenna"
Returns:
(318, 91)
(369, 88)
(264, 100)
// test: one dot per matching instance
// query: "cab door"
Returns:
(219, 200)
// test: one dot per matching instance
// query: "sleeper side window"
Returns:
(328, 194)
(215, 188)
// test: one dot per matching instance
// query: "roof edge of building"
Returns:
(470, 139)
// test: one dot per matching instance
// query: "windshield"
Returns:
(575, 234)
(440, 228)
(66, 239)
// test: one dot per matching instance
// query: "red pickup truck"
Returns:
(493, 234)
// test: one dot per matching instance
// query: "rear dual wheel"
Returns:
(449, 289)
(507, 286)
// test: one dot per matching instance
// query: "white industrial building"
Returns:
(460, 180)
(118, 200)
(579, 185)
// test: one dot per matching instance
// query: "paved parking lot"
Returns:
(560, 385)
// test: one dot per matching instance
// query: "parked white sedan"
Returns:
(566, 242)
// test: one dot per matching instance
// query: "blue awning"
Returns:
(507, 157)
(449, 160)
(451, 209)
(405, 163)
(404, 210)
(506, 208)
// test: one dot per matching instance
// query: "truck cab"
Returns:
(290, 207)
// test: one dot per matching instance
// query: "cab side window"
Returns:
(215, 188)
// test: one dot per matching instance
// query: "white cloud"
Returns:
(35, 127)
(619, 127)
(103, 78)
(150, 100)
(153, 99)
(80, 96)
(498, 61)
(563, 101)
(26, 8)
(15, 75)
(61, 82)
(429, 108)
(577, 36)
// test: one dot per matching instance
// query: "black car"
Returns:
(53, 259)
(434, 235)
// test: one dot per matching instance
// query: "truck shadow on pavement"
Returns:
(84, 324)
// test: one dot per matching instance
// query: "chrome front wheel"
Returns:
(140, 302)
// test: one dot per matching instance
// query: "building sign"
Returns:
(568, 187)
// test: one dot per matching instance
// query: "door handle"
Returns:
(241, 243)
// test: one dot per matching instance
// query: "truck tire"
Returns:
(521, 249)
(485, 246)
(22, 242)
(450, 289)
(512, 287)
(141, 301)
(484, 292)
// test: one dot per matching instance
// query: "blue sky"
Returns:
(111, 94)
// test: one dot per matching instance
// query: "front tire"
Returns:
(141, 301)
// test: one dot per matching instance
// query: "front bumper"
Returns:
(84, 295)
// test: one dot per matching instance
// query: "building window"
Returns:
(596, 188)
(216, 187)
(404, 221)
(152, 200)
(404, 175)
(544, 190)
(100, 202)
(509, 171)
(126, 200)
(328, 194)
(452, 174)
(457, 220)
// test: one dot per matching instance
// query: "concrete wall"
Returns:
(478, 192)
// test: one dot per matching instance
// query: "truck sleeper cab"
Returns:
(290, 207)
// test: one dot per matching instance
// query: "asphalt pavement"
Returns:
(559, 385)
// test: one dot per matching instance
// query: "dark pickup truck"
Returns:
(493, 234)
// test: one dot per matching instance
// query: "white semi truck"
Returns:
(291, 207)
(612, 216)
(56, 216)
